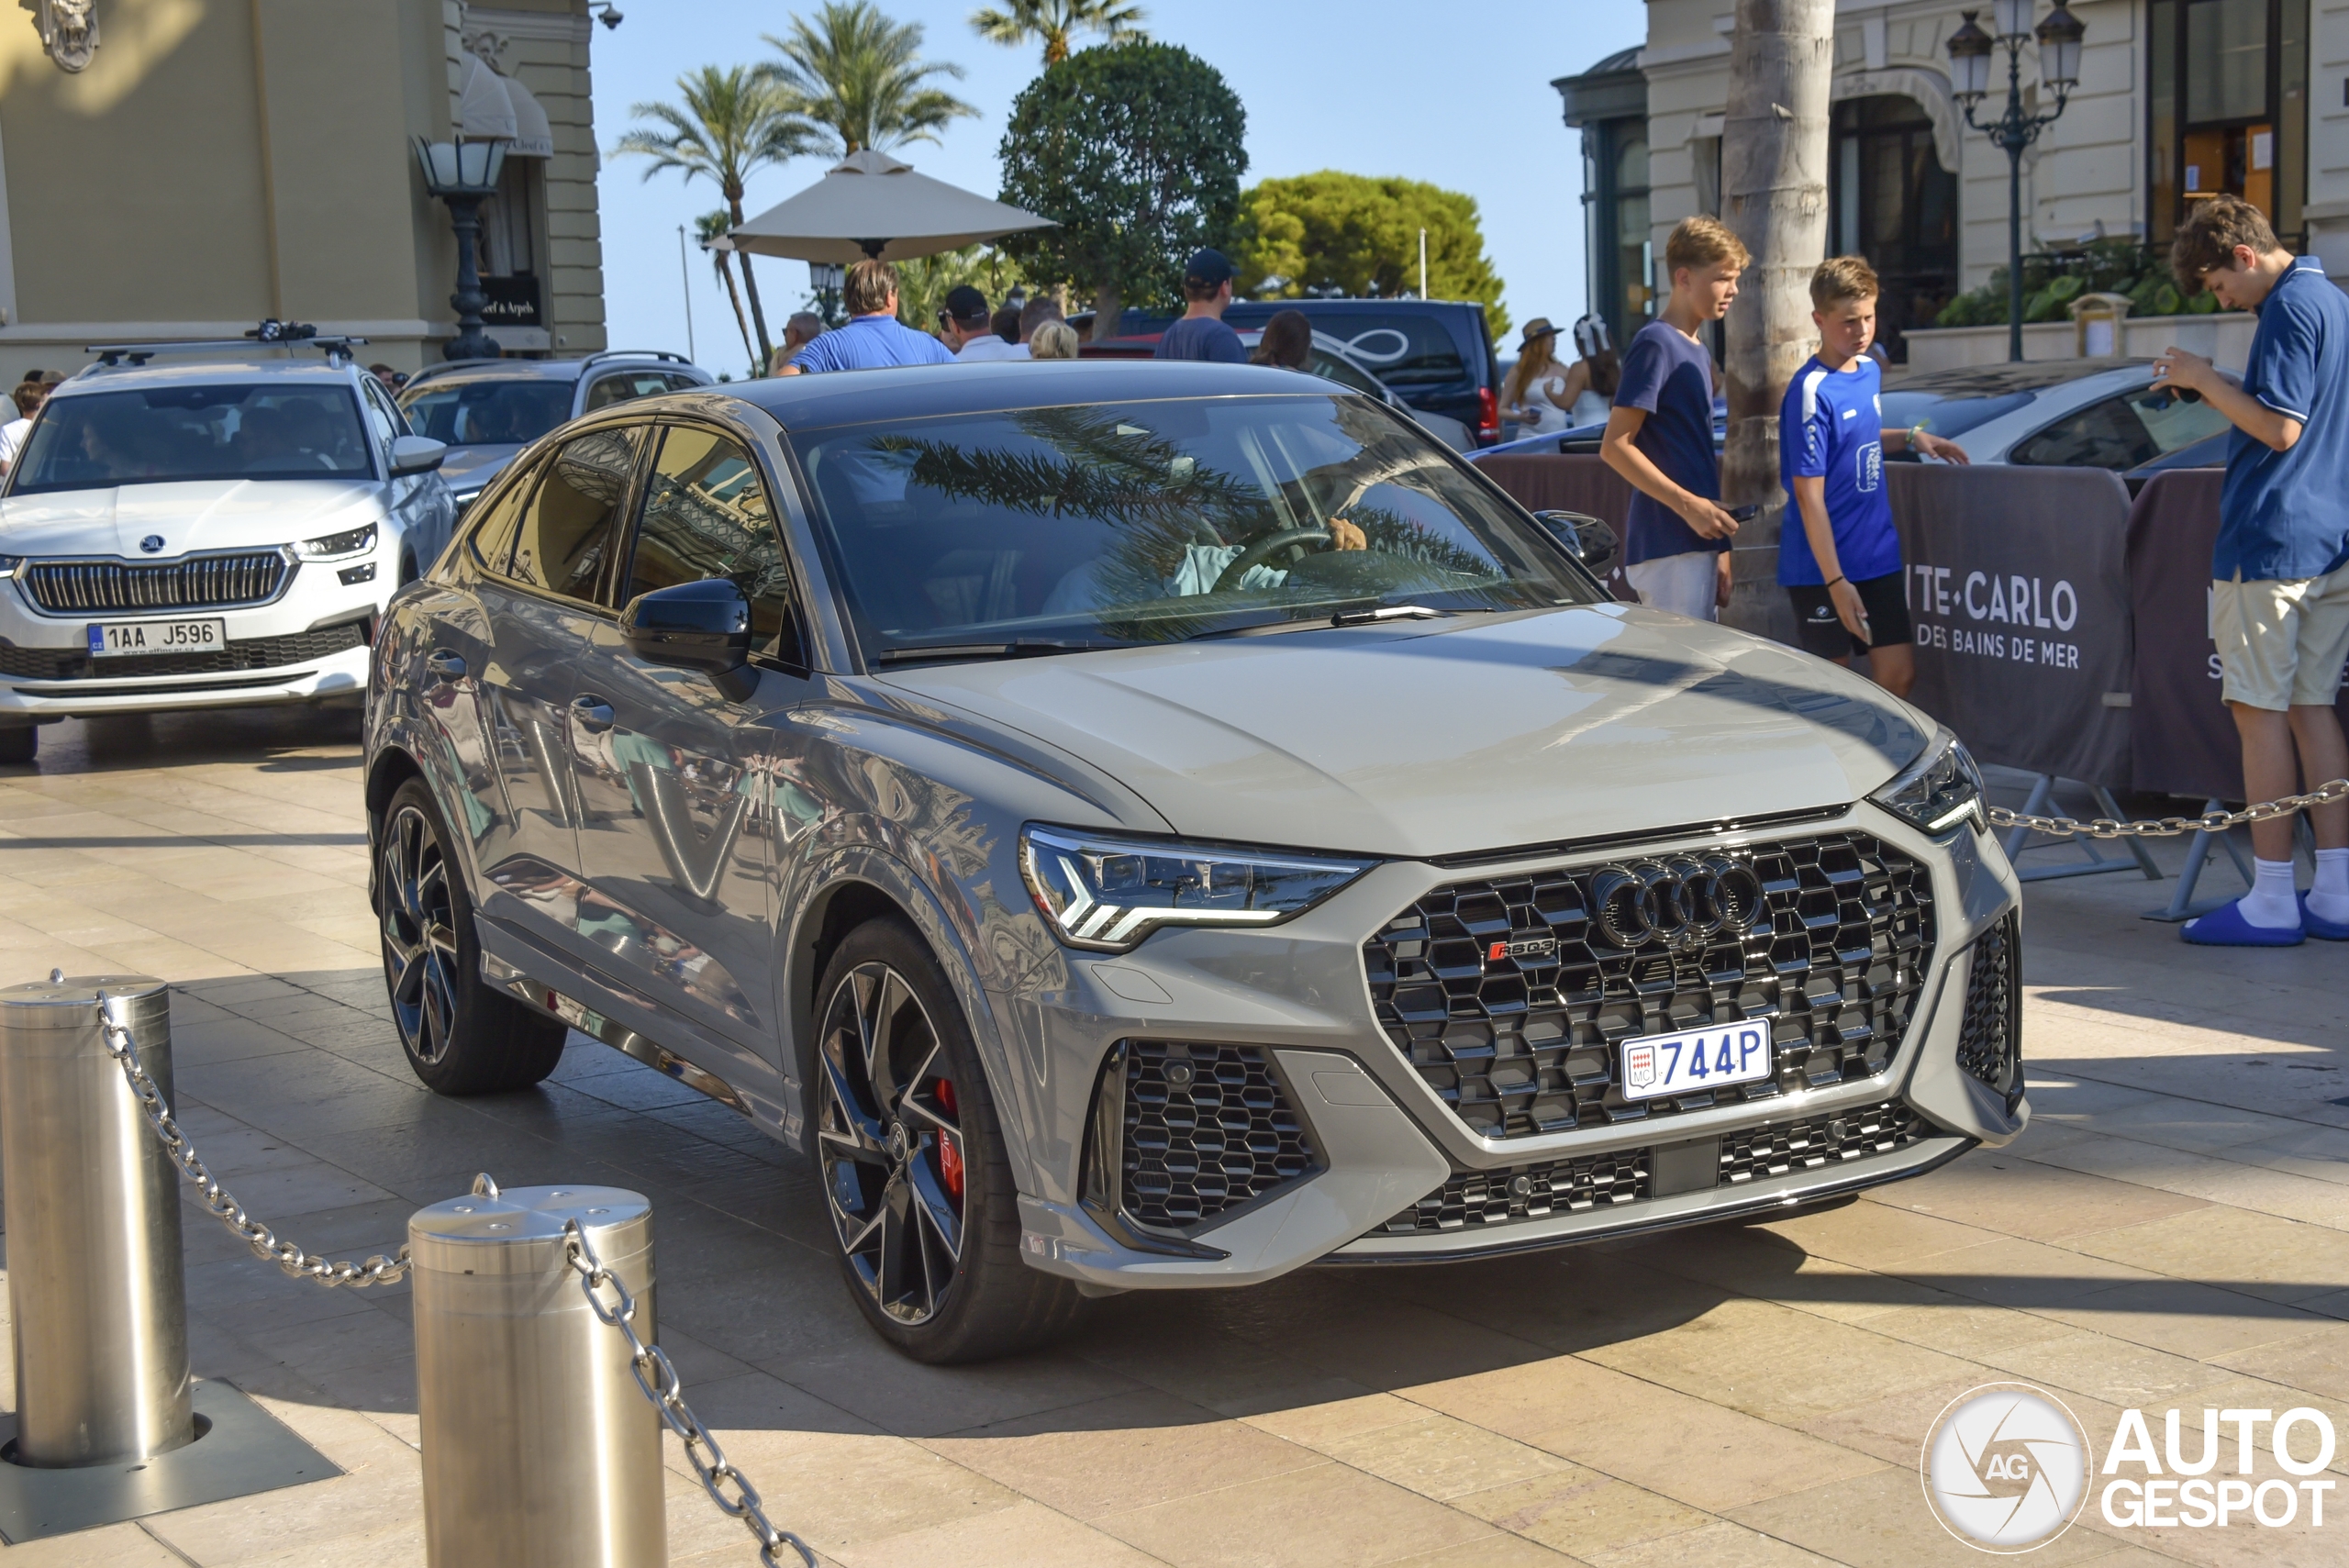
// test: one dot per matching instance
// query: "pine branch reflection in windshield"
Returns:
(1157, 521)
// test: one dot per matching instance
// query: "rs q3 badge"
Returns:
(1523, 947)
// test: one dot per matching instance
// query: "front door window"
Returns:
(1892, 202)
(2228, 104)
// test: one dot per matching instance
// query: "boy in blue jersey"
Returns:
(1840, 563)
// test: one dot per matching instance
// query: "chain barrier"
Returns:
(2170, 827)
(661, 1385)
(377, 1270)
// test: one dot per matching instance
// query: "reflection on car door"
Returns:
(539, 600)
(673, 776)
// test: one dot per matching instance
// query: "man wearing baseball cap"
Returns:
(964, 327)
(1201, 334)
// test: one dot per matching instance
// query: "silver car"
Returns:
(1144, 826)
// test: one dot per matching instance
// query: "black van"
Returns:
(1436, 354)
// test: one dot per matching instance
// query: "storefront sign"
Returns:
(512, 301)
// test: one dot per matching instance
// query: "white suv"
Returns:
(207, 525)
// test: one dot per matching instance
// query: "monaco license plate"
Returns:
(114, 639)
(1694, 1060)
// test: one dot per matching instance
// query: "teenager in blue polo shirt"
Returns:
(873, 338)
(1660, 435)
(1838, 558)
(2279, 591)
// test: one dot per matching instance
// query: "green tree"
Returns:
(1136, 150)
(924, 282)
(730, 123)
(861, 78)
(1361, 236)
(711, 227)
(1052, 22)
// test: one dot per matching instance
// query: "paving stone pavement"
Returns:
(2172, 1231)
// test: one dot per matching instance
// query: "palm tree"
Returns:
(1054, 20)
(859, 76)
(732, 122)
(712, 225)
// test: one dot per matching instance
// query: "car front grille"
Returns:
(1207, 1128)
(248, 653)
(204, 582)
(1989, 1043)
(1492, 1199)
(1518, 1046)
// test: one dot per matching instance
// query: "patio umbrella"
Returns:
(869, 204)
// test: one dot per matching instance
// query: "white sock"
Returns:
(2271, 901)
(2329, 899)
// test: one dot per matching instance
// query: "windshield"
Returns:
(260, 430)
(489, 413)
(1154, 522)
(1946, 414)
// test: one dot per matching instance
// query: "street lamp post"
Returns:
(2059, 71)
(464, 175)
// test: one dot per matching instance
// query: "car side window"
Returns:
(568, 528)
(706, 515)
(2174, 423)
(679, 381)
(491, 541)
(612, 389)
(2106, 434)
(383, 417)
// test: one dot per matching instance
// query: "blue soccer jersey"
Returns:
(1830, 427)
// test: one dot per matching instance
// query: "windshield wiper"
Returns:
(1388, 612)
(1020, 648)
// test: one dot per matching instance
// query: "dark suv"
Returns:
(487, 411)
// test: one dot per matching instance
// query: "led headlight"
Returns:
(351, 542)
(1105, 894)
(1941, 789)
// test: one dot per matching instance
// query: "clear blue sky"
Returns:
(1459, 96)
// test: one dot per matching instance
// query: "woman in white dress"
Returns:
(1536, 394)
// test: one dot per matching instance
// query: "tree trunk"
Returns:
(1109, 312)
(1774, 193)
(750, 286)
(726, 271)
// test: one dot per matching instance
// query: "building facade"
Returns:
(184, 169)
(2177, 100)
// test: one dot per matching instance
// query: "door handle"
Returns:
(446, 666)
(594, 714)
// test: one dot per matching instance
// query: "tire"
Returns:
(20, 744)
(461, 1037)
(916, 1180)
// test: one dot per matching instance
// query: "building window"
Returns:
(2227, 108)
(1634, 242)
(1890, 200)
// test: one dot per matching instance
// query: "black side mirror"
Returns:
(703, 626)
(1587, 539)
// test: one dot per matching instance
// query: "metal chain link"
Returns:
(2170, 827)
(661, 1385)
(377, 1270)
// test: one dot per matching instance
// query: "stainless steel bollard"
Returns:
(94, 1277)
(540, 1450)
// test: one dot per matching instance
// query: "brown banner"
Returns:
(1545, 482)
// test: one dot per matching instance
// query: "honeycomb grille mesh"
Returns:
(1521, 1046)
(1207, 1128)
(1990, 1044)
(1818, 1140)
(1527, 1192)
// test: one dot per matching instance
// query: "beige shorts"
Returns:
(2281, 644)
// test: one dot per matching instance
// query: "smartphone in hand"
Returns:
(1743, 514)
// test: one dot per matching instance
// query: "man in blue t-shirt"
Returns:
(1660, 435)
(2279, 590)
(873, 338)
(1201, 334)
(1838, 558)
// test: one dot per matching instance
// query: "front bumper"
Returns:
(1395, 1174)
(308, 642)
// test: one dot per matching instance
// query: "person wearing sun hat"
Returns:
(1534, 395)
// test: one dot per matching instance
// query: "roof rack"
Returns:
(635, 354)
(270, 334)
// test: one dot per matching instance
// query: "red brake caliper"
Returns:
(950, 1149)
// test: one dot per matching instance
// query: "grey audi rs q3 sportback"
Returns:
(1143, 826)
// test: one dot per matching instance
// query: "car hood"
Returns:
(1455, 737)
(191, 515)
(467, 469)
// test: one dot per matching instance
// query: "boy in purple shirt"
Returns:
(1659, 435)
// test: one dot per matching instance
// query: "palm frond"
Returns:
(860, 77)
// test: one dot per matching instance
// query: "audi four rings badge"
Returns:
(1679, 902)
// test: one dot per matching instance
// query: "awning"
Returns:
(491, 107)
(873, 204)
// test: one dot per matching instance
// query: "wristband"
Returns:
(1837, 578)
(1915, 432)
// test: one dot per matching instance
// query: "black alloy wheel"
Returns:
(419, 934)
(920, 1191)
(894, 1172)
(460, 1035)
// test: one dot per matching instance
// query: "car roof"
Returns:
(202, 372)
(1996, 381)
(920, 392)
(545, 370)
